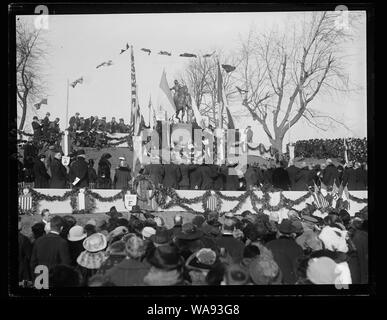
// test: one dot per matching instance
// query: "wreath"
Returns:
(148, 179)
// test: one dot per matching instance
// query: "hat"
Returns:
(286, 227)
(76, 233)
(92, 222)
(236, 275)
(113, 213)
(322, 270)
(166, 257)
(122, 158)
(121, 230)
(189, 232)
(135, 246)
(202, 260)
(264, 270)
(334, 239)
(81, 153)
(95, 242)
(91, 260)
(77, 113)
(229, 215)
(298, 227)
(147, 232)
(42, 156)
(117, 248)
(160, 237)
(309, 240)
(136, 209)
(51, 147)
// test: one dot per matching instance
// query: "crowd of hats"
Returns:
(192, 252)
(332, 148)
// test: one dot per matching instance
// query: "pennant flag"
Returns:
(230, 124)
(208, 55)
(123, 50)
(37, 105)
(169, 105)
(80, 81)
(188, 55)
(106, 64)
(346, 193)
(345, 151)
(228, 68)
(146, 50)
(164, 53)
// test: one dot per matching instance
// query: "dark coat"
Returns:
(233, 246)
(195, 177)
(220, 180)
(41, 175)
(286, 253)
(330, 175)
(75, 249)
(79, 168)
(92, 175)
(268, 176)
(129, 272)
(349, 179)
(156, 172)
(122, 178)
(251, 176)
(361, 179)
(292, 172)
(25, 250)
(50, 250)
(360, 240)
(303, 179)
(184, 182)
(232, 180)
(172, 176)
(37, 127)
(281, 179)
(208, 174)
(58, 175)
(104, 180)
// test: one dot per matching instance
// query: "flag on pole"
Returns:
(74, 83)
(219, 99)
(37, 105)
(169, 105)
(346, 193)
(345, 150)
(135, 109)
(149, 110)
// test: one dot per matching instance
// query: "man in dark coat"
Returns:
(37, 127)
(361, 177)
(172, 176)
(195, 177)
(330, 174)
(122, 176)
(303, 178)
(267, 173)
(349, 177)
(112, 126)
(184, 182)
(156, 172)
(281, 177)
(292, 172)
(74, 120)
(58, 172)
(104, 165)
(51, 249)
(79, 171)
(226, 240)
(25, 250)
(251, 176)
(232, 179)
(208, 174)
(40, 172)
(46, 123)
(286, 251)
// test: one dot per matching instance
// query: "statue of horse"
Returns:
(183, 102)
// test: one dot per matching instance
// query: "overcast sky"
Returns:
(78, 43)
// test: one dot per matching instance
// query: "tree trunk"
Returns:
(277, 144)
(23, 117)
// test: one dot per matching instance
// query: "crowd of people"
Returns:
(47, 171)
(46, 130)
(77, 123)
(332, 148)
(247, 249)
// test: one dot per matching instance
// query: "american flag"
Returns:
(135, 109)
(319, 199)
(211, 203)
(25, 202)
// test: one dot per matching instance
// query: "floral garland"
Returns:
(148, 179)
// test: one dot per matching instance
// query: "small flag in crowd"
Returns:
(319, 199)
(106, 64)
(228, 68)
(146, 50)
(164, 53)
(73, 84)
(37, 105)
(188, 55)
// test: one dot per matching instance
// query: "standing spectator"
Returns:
(286, 251)
(330, 174)
(131, 270)
(281, 177)
(40, 172)
(349, 177)
(292, 172)
(25, 249)
(361, 177)
(303, 178)
(75, 239)
(74, 121)
(233, 246)
(121, 126)
(251, 176)
(104, 180)
(58, 173)
(172, 176)
(46, 124)
(79, 171)
(92, 174)
(91, 259)
(37, 127)
(102, 124)
(156, 172)
(112, 126)
(122, 176)
(51, 249)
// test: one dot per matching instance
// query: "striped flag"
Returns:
(211, 203)
(169, 104)
(135, 109)
(219, 97)
(320, 200)
(37, 105)
(74, 83)
(25, 202)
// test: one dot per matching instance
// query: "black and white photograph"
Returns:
(190, 149)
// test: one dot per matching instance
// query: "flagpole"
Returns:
(67, 103)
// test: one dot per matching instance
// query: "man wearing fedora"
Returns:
(79, 176)
(51, 249)
(286, 251)
(58, 172)
(226, 240)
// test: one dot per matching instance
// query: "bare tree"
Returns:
(30, 50)
(283, 72)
